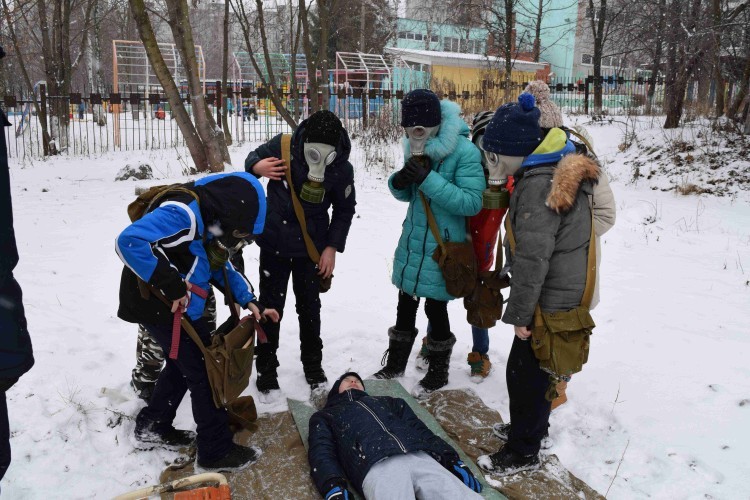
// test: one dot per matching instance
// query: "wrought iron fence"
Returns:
(90, 125)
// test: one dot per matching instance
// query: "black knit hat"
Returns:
(420, 107)
(514, 130)
(324, 127)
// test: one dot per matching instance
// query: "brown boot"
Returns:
(480, 366)
(561, 397)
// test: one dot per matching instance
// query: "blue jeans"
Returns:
(481, 338)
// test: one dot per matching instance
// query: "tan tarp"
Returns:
(282, 471)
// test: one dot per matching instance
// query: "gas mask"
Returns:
(222, 246)
(418, 137)
(318, 156)
(500, 168)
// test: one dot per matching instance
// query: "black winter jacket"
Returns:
(16, 356)
(355, 431)
(282, 234)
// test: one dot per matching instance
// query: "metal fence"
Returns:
(99, 123)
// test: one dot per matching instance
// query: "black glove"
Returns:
(415, 170)
(339, 493)
(462, 472)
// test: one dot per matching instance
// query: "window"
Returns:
(410, 36)
(592, 13)
(435, 38)
(418, 36)
(587, 59)
(450, 44)
(402, 34)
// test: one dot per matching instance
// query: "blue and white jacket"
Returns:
(166, 247)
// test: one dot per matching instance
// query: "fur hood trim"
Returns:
(571, 171)
(452, 126)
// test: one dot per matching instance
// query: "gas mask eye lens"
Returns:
(331, 156)
(313, 155)
(491, 157)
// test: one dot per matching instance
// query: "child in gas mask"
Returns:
(446, 167)
(176, 248)
(323, 179)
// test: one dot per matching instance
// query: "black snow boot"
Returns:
(507, 461)
(399, 348)
(502, 430)
(238, 458)
(162, 435)
(437, 372)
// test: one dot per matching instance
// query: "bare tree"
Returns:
(206, 144)
(248, 19)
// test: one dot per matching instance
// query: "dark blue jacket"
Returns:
(355, 431)
(16, 356)
(166, 246)
(282, 234)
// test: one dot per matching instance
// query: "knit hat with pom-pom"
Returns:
(551, 116)
(514, 130)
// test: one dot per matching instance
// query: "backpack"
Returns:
(149, 198)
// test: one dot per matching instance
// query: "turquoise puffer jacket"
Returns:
(454, 190)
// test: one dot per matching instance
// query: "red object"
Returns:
(484, 228)
(220, 492)
(174, 348)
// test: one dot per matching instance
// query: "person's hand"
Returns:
(339, 493)
(182, 302)
(272, 168)
(403, 179)
(522, 332)
(327, 262)
(271, 314)
(462, 472)
(418, 168)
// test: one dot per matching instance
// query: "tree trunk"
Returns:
(40, 112)
(718, 74)
(538, 31)
(508, 48)
(212, 138)
(146, 33)
(312, 67)
(656, 63)
(224, 70)
(742, 92)
(597, 26)
(325, 8)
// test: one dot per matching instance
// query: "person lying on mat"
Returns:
(383, 449)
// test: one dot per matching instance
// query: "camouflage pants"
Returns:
(149, 355)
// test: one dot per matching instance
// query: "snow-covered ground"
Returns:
(661, 409)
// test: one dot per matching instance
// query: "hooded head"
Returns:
(323, 132)
(333, 395)
(550, 115)
(233, 208)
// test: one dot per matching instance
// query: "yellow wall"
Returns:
(473, 77)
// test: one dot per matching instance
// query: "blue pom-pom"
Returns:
(526, 101)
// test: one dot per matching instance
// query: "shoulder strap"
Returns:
(230, 296)
(583, 140)
(588, 291)
(286, 155)
(431, 220)
(176, 188)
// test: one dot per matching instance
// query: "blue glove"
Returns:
(339, 493)
(461, 471)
